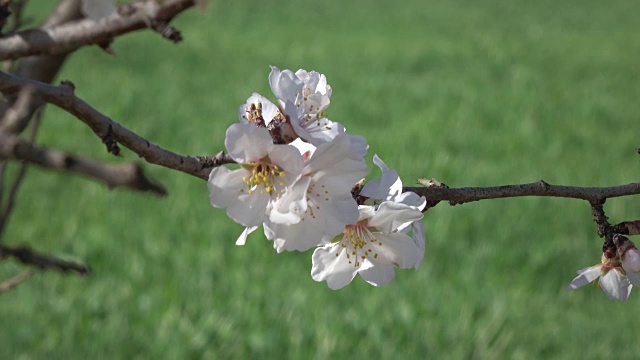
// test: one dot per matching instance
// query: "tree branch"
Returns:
(110, 131)
(27, 256)
(541, 188)
(71, 36)
(130, 176)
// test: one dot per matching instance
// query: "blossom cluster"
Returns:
(300, 177)
(617, 270)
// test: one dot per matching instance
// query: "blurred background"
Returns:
(473, 93)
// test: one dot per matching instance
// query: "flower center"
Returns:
(358, 243)
(265, 175)
(254, 114)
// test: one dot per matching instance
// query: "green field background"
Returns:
(473, 93)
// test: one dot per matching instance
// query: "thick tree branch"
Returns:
(28, 256)
(130, 176)
(71, 36)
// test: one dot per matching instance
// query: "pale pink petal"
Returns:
(331, 264)
(246, 142)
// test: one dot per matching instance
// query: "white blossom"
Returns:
(266, 170)
(371, 247)
(304, 96)
(379, 241)
(317, 207)
(614, 281)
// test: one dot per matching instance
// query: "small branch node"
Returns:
(165, 30)
(109, 142)
(68, 86)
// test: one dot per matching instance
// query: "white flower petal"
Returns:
(359, 146)
(391, 216)
(225, 185)
(246, 142)
(387, 187)
(322, 221)
(417, 232)
(290, 207)
(399, 250)
(289, 159)
(284, 84)
(412, 199)
(269, 109)
(379, 163)
(296, 237)
(305, 148)
(242, 239)
(615, 285)
(318, 131)
(378, 274)
(585, 276)
(330, 264)
(249, 209)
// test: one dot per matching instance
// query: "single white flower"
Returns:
(371, 247)
(266, 170)
(317, 206)
(304, 96)
(614, 281)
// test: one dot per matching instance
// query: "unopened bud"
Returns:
(628, 253)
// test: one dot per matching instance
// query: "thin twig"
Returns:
(11, 283)
(129, 175)
(112, 132)
(42, 261)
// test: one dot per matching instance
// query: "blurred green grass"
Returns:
(471, 93)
